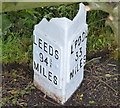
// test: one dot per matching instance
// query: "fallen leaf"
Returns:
(14, 79)
(115, 78)
(22, 103)
(108, 75)
(91, 101)
(80, 98)
(81, 95)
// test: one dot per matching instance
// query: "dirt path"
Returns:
(99, 87)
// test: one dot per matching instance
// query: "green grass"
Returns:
(15, 96)
(18, 30)
(100, 36)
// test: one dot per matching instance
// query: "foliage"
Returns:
(17, 38)
(112, 9)
(16, 95)
(18, 29)
(13, 50)
(100, 36)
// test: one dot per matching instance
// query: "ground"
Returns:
(99, 87)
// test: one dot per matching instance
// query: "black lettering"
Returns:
(34, 40)
(35, 43)
(81, 63)
(50, 62)
(40, 69)
(56, 54)
(46, 61)
(51, 50)
(80, 52)
(77, 68)
(83, 36)
(40, 43)
(49, 75)
(55, 80)
(36, 67)
(72, 49)
(41, 57)
(44, 72)
(79, 40)
(45, 47)
(75, 43)
(72, 74)
(76, 56)
(84, 59)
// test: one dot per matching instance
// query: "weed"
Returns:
(16, 96)
(18, 29)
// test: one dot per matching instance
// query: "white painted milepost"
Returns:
(59, 55)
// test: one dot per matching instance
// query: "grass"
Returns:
(16, 94)
(100, 36)
(18, 30)
(17, 41)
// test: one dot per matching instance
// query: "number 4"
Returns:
(46, 61)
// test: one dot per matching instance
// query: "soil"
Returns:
(99, 87)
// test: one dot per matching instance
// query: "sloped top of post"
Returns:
(63, 26)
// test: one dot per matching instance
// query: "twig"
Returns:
(93, 60)
(111, 64)
(87, 70)
(16, 76)
(20, 76)
(106, 84)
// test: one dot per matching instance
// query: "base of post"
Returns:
(47, 93)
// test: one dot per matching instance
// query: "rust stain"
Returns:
(51, 95)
